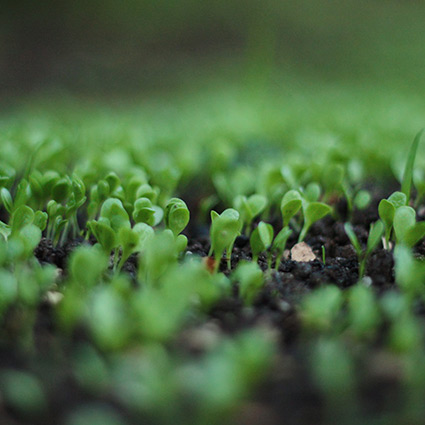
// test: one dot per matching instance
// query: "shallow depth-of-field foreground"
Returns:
(214, 257)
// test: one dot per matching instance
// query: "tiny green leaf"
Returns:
(224, 230)
(313, 212)
(22, 216)
(398, 199)
(404, 219)
(414, 234)
(312, 192)
(6, 199)
(176, 215)
(353, 238)
(386, 211)
(143, 211)
(261, 239)
(114, 211)
(104, 235)
(375, 234)
(62, 189)
(40, 219)
(251, 280)
(290, 205)
(362, 199)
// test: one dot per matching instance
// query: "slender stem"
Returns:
(362, 267)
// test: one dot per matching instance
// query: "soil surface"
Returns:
(290, 395)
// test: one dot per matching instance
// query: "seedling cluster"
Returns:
(113, 246)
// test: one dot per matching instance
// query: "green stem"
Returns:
(362, 267)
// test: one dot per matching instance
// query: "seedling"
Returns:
(312, 192)
(363, 312)
(375, 234)
(261, 240)
(312, 211)
(108, 229)
(405, 334)
(320, 309)
(409, 272)
(251, 280)
(419, 183)
(249, 208)
(145, 212)
(279, 244)
(362, 199)
(176, 215)
(290, 205)
(225, 228)
(387, 209)
(410, 164)
(407, 231)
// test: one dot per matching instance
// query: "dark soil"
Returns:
(290, 395)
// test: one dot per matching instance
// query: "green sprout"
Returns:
(407, 231)
(176, 215)
(251, 280)
(375, 234)
(261, 240)
(24, 392)
(225, 228)
(312, 192)
(145, 212)
(405, 333)
(249, 208)
(362, 199)
(279, 244)
(113, 230)
(290, 205)
(320, 309)
(409, 272)
(387, 209)
(312, 211)
(363, 311)
(410, 164)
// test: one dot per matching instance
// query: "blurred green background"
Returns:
(130, 47)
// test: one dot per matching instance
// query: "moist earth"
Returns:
(289, 394)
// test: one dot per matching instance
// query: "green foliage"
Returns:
(407, 231)
(362, 199)
(249, 208)
(86, 266)
(23, 392)
(176, 215)
(279, 244)
(320, 309)
(409, 272)
(410, 164)
(387, 209)
(375, 233)
(261, 239)
(96, 415)
(363, 311)
(123, 332)
(290, 205)
(405, 334)
(250, 278)
(145, 212)
(225, 228)
(312, 211)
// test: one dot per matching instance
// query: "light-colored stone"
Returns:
(302, 252)
(53, 297)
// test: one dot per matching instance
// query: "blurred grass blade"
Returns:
(408, 171)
